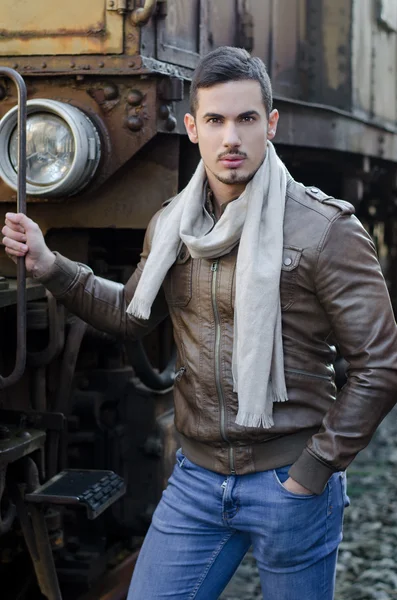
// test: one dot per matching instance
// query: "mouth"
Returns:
(232, 161)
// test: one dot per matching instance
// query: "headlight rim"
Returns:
(87, 143)
(38, 184)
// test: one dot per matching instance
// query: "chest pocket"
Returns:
(289, 274)
(178, 283)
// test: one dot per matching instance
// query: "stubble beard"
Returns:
(234, 177)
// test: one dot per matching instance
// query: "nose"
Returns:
(231, 138)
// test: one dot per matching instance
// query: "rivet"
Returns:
(288, 261)
(134, 123)
(164, 111)
(110, 92)
(314, 190)
(131, 64)
(43, 65)
(101, 65)
(72, 65)
(134, 97)
(15, 66)
(170, 123)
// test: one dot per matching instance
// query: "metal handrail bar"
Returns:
(140, 16)
(20, 361)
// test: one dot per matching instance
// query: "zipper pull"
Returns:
(224, 484)
(178, 375)
(214, 266)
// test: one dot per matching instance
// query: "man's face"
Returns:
(231, 129)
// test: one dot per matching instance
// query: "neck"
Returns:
(223, 193)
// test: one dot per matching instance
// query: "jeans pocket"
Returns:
(343, 483)
(281, 475)
(180, 458)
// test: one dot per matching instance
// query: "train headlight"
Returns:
(62, 148)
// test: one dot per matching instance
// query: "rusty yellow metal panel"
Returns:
(57, 27)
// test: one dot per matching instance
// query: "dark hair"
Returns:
(228, 63)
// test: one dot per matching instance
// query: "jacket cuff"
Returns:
(60, 276)
(311, 472)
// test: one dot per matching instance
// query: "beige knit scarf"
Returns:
(255, 219)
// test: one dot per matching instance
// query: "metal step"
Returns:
(92, 489)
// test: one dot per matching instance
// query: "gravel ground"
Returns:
(367, 565)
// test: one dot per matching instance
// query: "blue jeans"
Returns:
(205, 523)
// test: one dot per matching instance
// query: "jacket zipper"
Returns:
(221, 398)
(299, 372)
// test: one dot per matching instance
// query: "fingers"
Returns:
(15, 235)
(13, 247)
(14, 226)
(20, 222)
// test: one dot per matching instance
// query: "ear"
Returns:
(272, 124)
(190, 124)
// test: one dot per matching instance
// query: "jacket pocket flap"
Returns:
(291, 258)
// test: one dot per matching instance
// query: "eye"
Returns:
(214, 120)
(248, 119)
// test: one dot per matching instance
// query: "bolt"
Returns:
(72, 65)
(131, 64)
(43, 65)
(15, 66)
(101, 65)
(134, 123)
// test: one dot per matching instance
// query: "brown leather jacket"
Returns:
(332, 291)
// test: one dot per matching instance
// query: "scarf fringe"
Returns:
(260, 420)
(139, 308)
(250, 420)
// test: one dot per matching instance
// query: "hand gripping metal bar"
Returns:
(20, 360)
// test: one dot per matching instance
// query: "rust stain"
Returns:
(97, 29)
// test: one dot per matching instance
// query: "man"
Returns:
(261, 276)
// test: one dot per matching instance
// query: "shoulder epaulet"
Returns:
(317, 194)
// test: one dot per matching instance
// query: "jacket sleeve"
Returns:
(351, 288)
(100, 302)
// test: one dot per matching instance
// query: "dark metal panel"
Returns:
(384, 59)
(222, 23)
(178, 34)
(329, 24)
(362, 56)
(285, 47)
(261, 11)
(322, 127)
